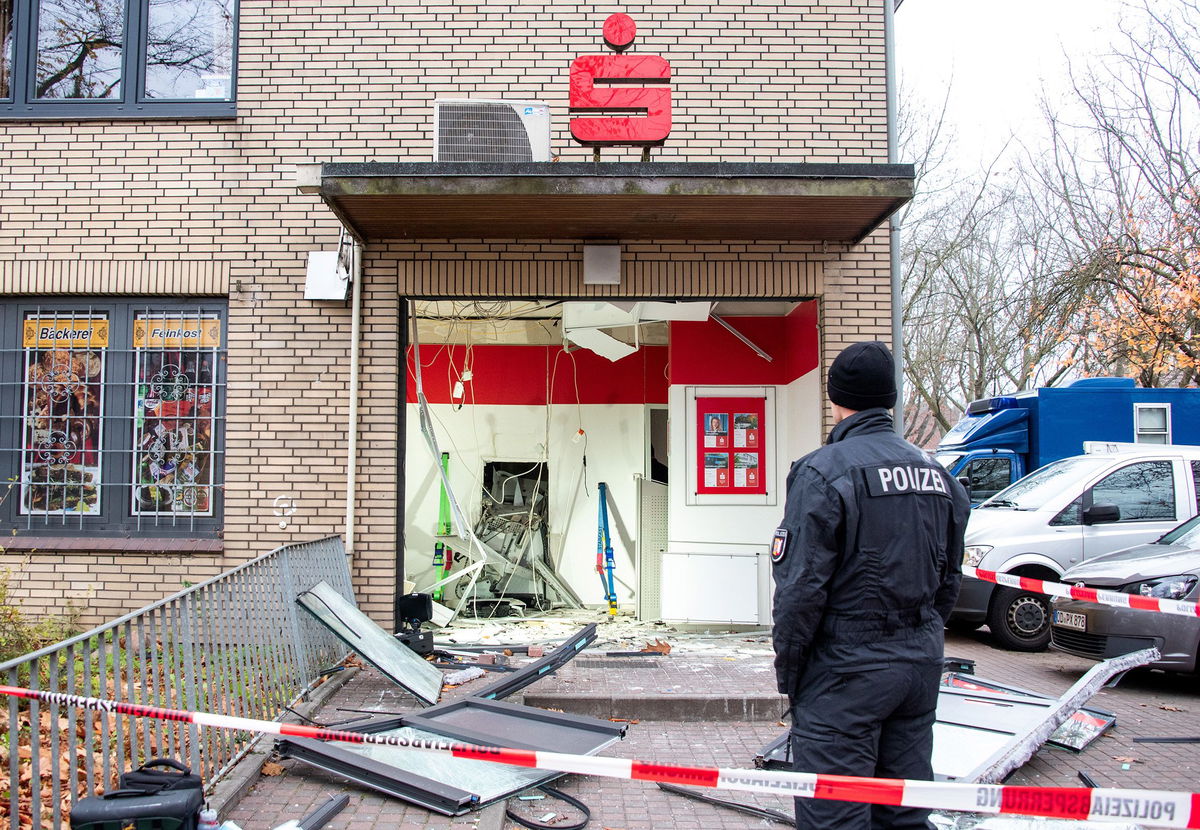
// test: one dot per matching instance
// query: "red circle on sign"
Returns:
(619, 31)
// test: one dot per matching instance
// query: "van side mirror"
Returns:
(1101, 514)
(965, 481)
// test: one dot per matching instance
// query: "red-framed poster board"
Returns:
(730, 446)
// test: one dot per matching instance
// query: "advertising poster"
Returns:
(716, 469)
(731, 446)
(745, 430)
(745, 469)
(64, 413)
(716, 430)
(174, 418)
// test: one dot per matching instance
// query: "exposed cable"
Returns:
(561, 796)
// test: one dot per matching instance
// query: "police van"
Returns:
(1111, 497)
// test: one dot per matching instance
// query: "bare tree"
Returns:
(1124, 177)
(986, 300)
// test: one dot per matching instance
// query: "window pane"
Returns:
(174, 422)
(189, 49)
(1142, 491)
(63, 420)
(79, 48)
(1153, 418)
(6, 48)
(988, 477)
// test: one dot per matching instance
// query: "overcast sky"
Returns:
(994, 56)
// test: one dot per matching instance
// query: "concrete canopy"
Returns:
(839, 203)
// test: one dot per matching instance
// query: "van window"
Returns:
(1047, 483)
(1196, 483)
(988, 476)
(1144, 491)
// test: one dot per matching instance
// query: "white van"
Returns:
(1111, 497)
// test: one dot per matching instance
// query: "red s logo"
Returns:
(616, 84)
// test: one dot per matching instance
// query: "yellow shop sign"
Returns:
(169, 332)
(65, 333)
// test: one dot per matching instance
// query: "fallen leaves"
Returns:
(657, 647)
(1127, 759)
(1166, 708)
(271, 769)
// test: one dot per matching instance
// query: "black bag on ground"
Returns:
(159, 774)
(177, 809)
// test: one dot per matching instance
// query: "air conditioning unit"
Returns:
(479, 130)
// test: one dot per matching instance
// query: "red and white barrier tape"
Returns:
(1060, 589)
(1151, 808)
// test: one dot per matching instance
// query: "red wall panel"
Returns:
(520, 375)
(705, 353)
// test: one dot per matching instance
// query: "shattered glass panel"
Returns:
(488, 780)
(383, 651)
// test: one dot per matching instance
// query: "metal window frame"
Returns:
(363, 636)
(132, 104)
(546, 732)
(115, 519)
(1022, 740)
(552, 662)
(1138, 432)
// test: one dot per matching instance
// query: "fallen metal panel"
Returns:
(1083, 727)
(394, 659)
(493, 723)
(552, 662)
(422, 778)
(982, 736)
(998, 767)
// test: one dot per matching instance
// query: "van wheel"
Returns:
(1019, 620)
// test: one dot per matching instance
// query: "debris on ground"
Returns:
(458, 678)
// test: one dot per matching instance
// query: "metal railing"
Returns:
(235, 645)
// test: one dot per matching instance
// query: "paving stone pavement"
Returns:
(737, 669)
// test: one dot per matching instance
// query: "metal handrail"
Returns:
(235, 644)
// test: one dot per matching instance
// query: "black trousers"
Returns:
(874, 721)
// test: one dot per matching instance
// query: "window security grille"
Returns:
(111, 418)
(491, 131)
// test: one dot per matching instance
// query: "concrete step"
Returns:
(681, 706)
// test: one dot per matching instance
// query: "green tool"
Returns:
(443, 558)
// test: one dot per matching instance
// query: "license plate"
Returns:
(1069, 619)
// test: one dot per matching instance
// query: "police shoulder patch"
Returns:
(779, 545)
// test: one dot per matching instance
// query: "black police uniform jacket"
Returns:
(868, 560)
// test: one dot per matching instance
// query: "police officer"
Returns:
(867, 565)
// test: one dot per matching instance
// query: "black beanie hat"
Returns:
(863, 376)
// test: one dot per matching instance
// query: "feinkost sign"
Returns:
(620, 83)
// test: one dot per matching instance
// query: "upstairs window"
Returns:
(117, 58)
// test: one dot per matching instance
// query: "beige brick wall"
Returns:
(209, 207)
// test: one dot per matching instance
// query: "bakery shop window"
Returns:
(116, 424)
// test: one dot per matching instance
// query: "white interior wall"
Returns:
(709, 527)
(477, 434)
(700, 534)
(801, 400)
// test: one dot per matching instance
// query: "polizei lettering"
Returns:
(901, 479)
(1143, 808)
